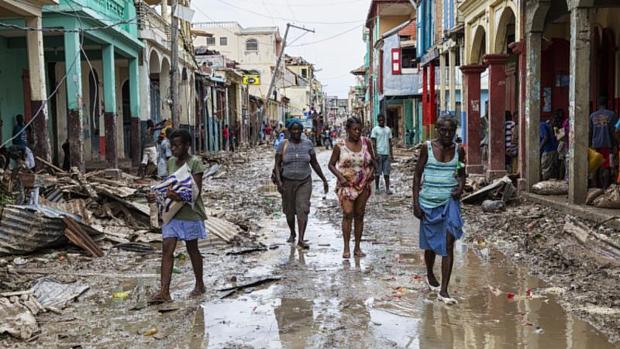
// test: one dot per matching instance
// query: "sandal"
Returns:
(346, 255)
(359, 254)
(158, 299)
(446, 300)
(433, 288)
(303, 246)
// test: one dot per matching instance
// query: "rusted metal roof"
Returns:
(25, 229)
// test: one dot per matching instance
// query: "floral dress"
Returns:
(356, 168)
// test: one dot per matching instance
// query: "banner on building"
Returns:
(251, 80)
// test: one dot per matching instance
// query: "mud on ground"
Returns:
(534, 236)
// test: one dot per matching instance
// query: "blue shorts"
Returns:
(184, 230)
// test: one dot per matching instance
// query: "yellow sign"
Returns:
(251, 79)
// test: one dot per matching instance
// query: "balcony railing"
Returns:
(149, 19)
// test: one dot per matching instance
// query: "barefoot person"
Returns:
(437, 187)
(188, 224)
(352, 163)
(293, 177)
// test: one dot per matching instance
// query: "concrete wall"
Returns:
(400, 84)
(12, 62)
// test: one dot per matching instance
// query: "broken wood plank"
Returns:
(77, 236)
(252, 284)
(246, 251)
(50, 165)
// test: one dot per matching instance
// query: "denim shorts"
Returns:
(383, 165)
(184, 230)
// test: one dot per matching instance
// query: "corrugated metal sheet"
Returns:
(24, 229)
(52, 293)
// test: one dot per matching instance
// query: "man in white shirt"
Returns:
(381, 136)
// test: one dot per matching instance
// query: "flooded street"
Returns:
(264, 293)
(381, 301)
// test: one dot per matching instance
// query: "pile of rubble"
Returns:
(53, 214)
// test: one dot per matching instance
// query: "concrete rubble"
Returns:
(78, 218)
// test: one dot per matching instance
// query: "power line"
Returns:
(328, 38)
(282, 18)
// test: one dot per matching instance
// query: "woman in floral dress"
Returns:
(352, 163)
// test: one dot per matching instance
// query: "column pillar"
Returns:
(432, 96)
(73, 67)
(519, 48)
(579, 98)
(442, 83)
(109, 103)
(134, 106)
(497, 108)
(38, 92)
(532, 109)
(617, 79)
(425, 109)
(165, 12)
(471, 84)
(452, 80)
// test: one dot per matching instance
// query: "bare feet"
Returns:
(432, 280)
(291, 238)
(359, 253)
(159, 298)
(346, 254)
(197, 291)
(303, 246)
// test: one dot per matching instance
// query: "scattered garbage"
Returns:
(501, 189)
(51, 293)
(17, 316)
(493, 205)
(609, 199)
(551, 187)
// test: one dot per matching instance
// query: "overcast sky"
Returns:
(335, 57)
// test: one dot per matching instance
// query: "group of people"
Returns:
(604, 139)
(355, 161)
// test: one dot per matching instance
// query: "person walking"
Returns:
(382, 141)
(437, 187)
(293, 176)
(353, 164)
(226, 136)
(149, 153)
(165, 153)
(188, 223)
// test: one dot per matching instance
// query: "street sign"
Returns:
(251, 79)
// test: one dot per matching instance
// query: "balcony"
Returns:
(106, 11)
(152, 25)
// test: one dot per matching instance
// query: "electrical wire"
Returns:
(328, 38)
(282, 18)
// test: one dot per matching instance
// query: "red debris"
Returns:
(510, 295)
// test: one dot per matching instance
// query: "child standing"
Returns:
(437, 187)
(188, 224)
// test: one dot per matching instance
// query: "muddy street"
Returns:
(265, 293)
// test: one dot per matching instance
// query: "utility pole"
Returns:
(275, 73)
(174, 76)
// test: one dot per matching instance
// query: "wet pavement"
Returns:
(321, 300)
(381, 301)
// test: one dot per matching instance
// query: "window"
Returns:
(409, 57)
(223, 41)
(396, 63)
(304, 73)
(251, 45)
(210, 41)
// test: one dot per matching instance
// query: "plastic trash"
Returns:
(493, 205)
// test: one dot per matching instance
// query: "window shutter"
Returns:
(396, 61)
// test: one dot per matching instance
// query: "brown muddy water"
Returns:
(381, 301)
(321, 300)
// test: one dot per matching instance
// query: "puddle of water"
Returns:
(378, 302)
